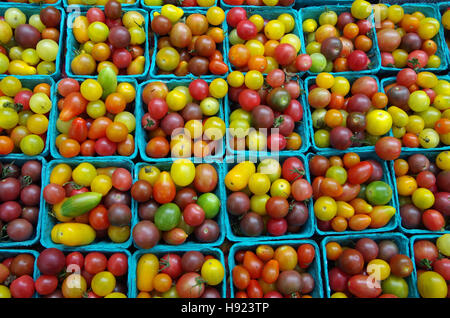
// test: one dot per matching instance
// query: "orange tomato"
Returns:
(359, 222)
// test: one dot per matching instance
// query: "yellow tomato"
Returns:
(73, 234)
(84, 173)
(61, 174)
(149, 174)
(147, 269)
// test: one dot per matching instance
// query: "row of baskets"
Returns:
(223, 149)
(150, 69)
(318, 269)
(225, 221)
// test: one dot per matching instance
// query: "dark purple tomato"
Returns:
(30, 213)
(30, 195)
(289, 282)
(147, 210)
(238, 203)
(116, 196)
(308, 283)
(324, 225)
(351, 261)
(171, 122)
(192, 111)
(251, 224)
(198, 65)
(356, 121)
(113, 9)
(211, 292)
(119, 37)
(119, 214)
(9, 189)
(205, 46)
(359, 103)
(184, 197)
(341, 138)
(207, 232)
(368, 248)
(410, 42)
(50, 17)
(443, 181)
(161, 25)
(146, 234)
(27, 36)
(411, 216)
(141, 191)
(398, 96)
(19, 230)
(285, 124)
(418, 163)
(298, 214)
(331, 47)
(10, 210)
(33, 169)
(442, 203)
(343, 19)
(192, 261)
(338, 279)
(377, 171)
(262, 117)
(387, 249)
(51, 261)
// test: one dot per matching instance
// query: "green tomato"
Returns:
(362, 191)
(319, 63)
(96, 109)
(430, 116)
(318, 118)
(209, 106)
(396, 286)
(210, 204)
(47, 50)
(378, 193)
(271, 168)
(46, 68)
(234, 38)
(329, 66)
(337, 173)
(32, 145)
(322, 138)
(63, 126)
(167, 216)
(402, 200)
(313, 47)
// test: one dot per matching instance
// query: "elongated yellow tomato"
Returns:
(237, 178)
(147, 269)
(182, 172)
(17, 67)
(73, 234)
(80, 29)
(61, 174)
(381, 215)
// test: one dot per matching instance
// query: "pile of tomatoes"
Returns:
(268, 3)
(96, 117)
(176, 204)
(184, 121)
(192, 274)
(264, 116)
(24, 116)
(340, 43)
(406, 37)
(347, 115)
(420, 109)
(190, 47)
(97, 2)
(89, 203)
(184, 3)
(77, 275)
(279, 273)
(29, 48)
(257, 213)
(262, 45)
(368, 268)
(423, 186)
(350, 193)
(16, 275)
(432, 263)
(111, 37)
(20, 197)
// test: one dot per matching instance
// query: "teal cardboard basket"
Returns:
(48, 221)
(30, 10)
(7, 253)
(314, 269)
(431, 155)
(222, 47)
(160, 251)
(150, 8)
(131, 108)
(20, 161)
(301, 128)
(231, 222)
(389, 80)
(72, 45)
(269, 14)
(430, 10)
(393, 222)
(373, 54)
(142, 138)
(311, 80)
(30, 82)
(190, 243)
(400, 240)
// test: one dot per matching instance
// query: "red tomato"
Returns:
(249, 99)
(305, 254)
(46, 284)
(121, 179)
(118, 264)
(236, 15)
(78, 130)
(170, 264)
(22, 287)
(360, 173)
(301, 190)
(254, 290)
(75, 258)
(362, 286)
(433, 220)
(95, 262)
(98, 218)
(253, 264)
(199, 89)
(292, 169)
(241, 277)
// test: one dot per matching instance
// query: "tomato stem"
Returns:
(6, 170)
(426, 263)
(25, 181)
